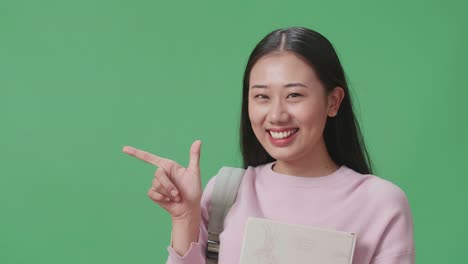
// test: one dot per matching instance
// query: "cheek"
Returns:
(310, 114)
(255, 115)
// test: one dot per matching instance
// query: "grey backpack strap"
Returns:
(224, 194)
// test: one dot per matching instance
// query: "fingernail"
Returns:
(174, 193)
(167, 199)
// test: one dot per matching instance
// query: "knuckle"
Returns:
(158, 173)
(155, 183)
(163, 179)
(159, 189)
(155, 197)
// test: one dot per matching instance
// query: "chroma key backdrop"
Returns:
(81, 79)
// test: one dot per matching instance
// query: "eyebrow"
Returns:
(289, 85)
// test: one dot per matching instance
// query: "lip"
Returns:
(281, 129)
(283, 142)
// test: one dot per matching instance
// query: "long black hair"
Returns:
(342, 134)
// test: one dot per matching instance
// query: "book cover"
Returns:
(272, 242)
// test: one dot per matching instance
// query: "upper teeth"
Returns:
(283, 134)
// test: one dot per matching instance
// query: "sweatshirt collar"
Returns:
(274, 177)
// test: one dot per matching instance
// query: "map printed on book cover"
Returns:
(272, 242)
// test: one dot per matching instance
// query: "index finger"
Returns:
(145, 156)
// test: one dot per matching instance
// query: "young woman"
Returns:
(305, 158)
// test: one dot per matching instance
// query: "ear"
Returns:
(335, 98)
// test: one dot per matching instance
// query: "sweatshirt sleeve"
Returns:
(396, 244)
(196, 252)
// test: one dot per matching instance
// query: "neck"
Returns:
(315, 164)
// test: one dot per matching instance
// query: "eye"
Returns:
(261, 96)
(294, 95)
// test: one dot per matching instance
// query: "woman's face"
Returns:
(288, 106)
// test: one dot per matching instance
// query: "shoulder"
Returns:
(208, 190)
(210, 186)
(382, 192)
(388, 203)
(387, 189)
(212, 181)
(249, 174)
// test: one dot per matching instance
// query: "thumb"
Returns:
(194, 163)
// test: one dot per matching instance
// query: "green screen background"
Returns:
(81, 79)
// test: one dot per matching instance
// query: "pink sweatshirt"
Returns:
(376, 210)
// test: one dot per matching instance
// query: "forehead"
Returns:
(280, 68)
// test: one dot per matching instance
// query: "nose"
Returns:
(278, 113)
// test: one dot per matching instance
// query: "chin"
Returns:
(281, 155)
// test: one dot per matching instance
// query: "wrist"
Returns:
(188, 217)
(185, 230)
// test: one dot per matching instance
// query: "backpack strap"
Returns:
(224, 194)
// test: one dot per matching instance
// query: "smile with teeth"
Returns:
(282, 134)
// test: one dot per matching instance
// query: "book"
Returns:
(272, 242)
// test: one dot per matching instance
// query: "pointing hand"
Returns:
(175, 188)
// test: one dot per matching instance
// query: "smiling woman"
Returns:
(304, 59)
(288, 108)
(305, 160)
